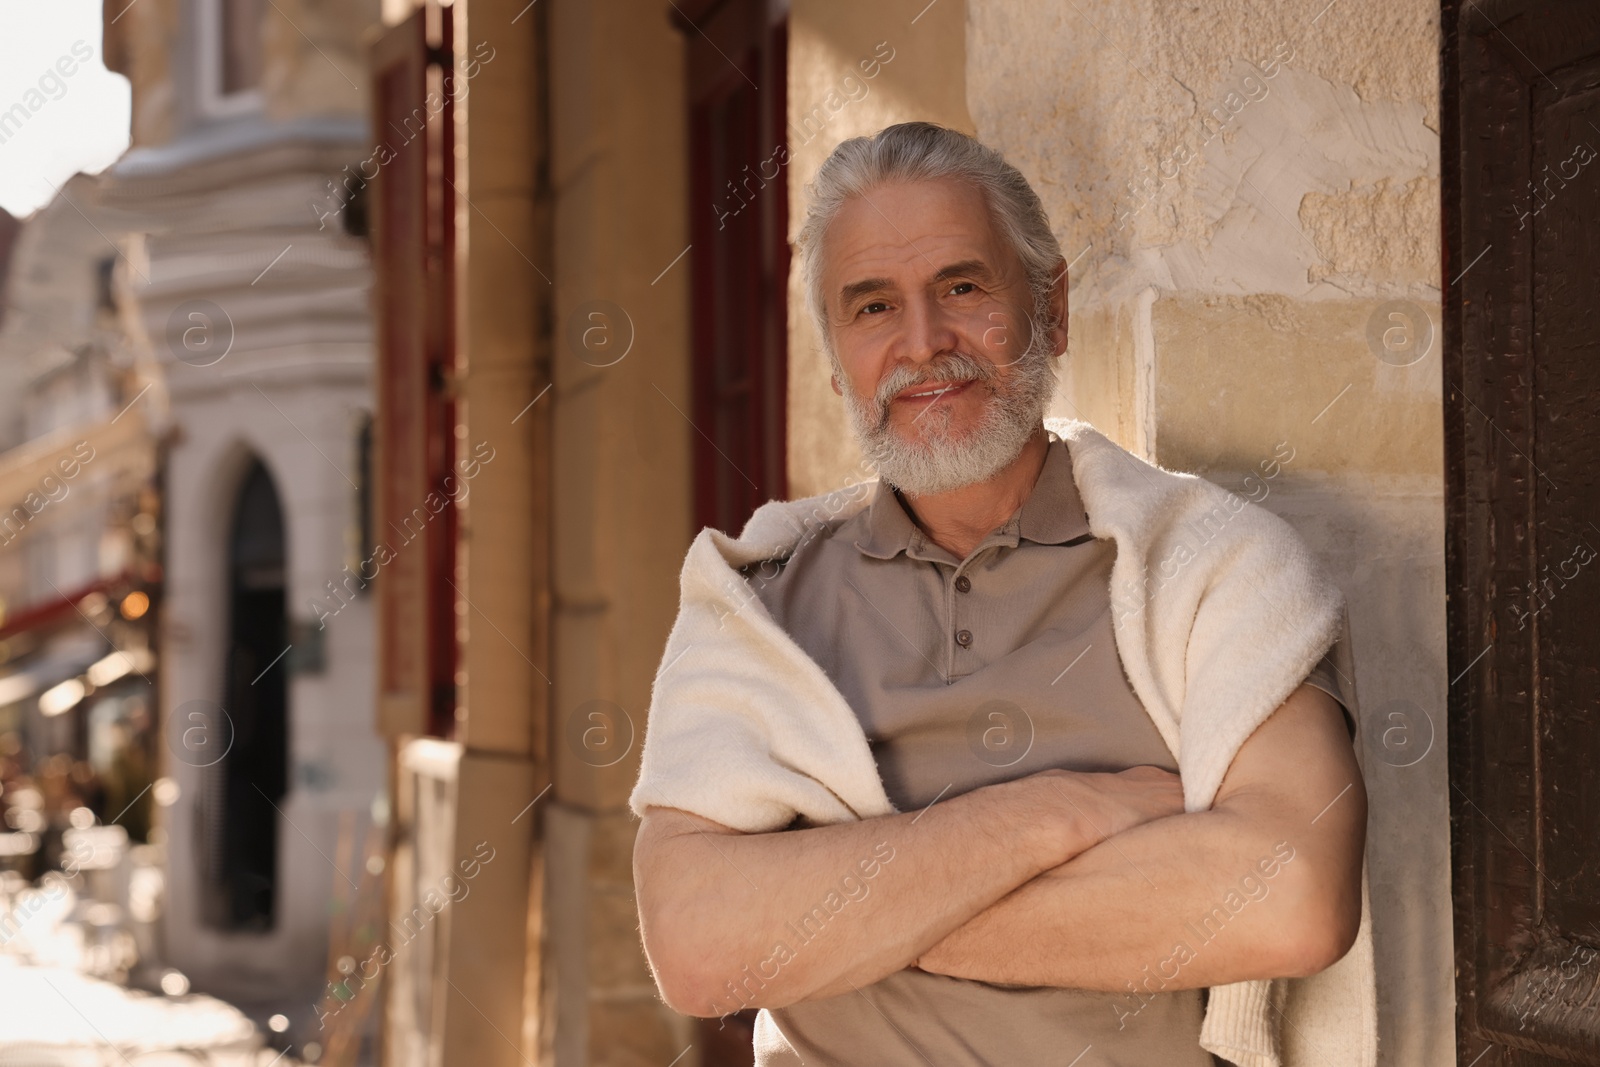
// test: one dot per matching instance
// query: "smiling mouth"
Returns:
(927, 393)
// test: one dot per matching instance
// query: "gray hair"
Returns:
(925, 151)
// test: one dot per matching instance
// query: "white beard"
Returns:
(941, 461)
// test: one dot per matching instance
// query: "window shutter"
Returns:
(411, 172)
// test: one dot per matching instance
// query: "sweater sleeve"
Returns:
(1268, 614)
(744, 728)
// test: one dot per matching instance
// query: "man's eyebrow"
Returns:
(972, 268)
(866, 286)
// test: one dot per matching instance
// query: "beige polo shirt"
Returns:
(964, 673)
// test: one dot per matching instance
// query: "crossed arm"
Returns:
(1061, 878)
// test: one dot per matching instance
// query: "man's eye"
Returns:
(962, 288)
(869, 308)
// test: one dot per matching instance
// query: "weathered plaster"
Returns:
(1306, 108)
(1385, 232)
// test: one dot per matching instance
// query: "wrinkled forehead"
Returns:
(907, 233)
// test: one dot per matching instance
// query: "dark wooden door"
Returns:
(1520, 137)
(738, 224)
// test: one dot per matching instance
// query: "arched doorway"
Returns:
(252, 778)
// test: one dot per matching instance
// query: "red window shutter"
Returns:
(738, 215)
(413, 261)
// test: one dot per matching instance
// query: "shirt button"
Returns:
(964, 584)
(963, 638)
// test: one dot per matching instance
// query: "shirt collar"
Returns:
(1051, 515)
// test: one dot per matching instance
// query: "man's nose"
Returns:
(929, 329)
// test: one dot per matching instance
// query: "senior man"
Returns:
(1037, 892)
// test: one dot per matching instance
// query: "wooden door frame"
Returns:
(1497, 56)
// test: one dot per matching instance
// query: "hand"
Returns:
(1105, 804)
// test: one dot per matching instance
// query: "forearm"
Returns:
(771, 919)
(1265, 884)
(1186, 899)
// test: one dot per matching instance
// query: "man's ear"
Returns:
(1058, 309)
(836, 389)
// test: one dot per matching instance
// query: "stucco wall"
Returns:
(1249, 193)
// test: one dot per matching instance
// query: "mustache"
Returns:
(954, 367)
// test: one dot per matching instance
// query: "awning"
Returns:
(49, 666)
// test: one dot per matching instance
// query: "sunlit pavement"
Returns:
(62, 1018)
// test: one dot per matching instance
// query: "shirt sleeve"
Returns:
(1325, 676)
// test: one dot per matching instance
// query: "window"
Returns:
(231, 58)
(241, 45)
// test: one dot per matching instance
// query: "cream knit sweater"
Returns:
(1222, 612)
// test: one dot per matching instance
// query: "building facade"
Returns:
(252, 300)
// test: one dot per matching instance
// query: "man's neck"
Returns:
(959, 520)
